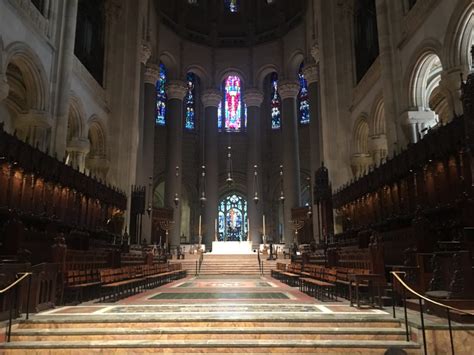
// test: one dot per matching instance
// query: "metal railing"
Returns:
(13, 288)
(397, 276)
(260, 262)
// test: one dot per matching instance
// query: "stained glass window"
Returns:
(161, 97)
(276, 103)
(303, 99)
(190, 119)
(232, 220)
(230, 113)
(232, 5)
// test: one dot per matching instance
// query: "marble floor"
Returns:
(220, 296)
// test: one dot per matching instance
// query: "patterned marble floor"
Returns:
(219, 297)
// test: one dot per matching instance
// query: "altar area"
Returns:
(232, 247)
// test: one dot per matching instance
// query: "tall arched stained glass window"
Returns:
(190, 119)
(276, 103)
(161, 97)
(230, 115)
(303, 100)
(232, 5)
(232, 212)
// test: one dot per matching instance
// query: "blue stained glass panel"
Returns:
(276, 103)
(303, 99)
(161, 97)
(232, 214)
(190, 119)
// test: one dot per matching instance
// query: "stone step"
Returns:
(102, 321)
(203, 333)
(224, 346)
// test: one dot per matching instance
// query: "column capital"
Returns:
(311, 73)
(176, 89)
(288, 89)
(152, 74)
(4, 88)
(315, 53)
(253, 97)
(211, 98)
(80, 145)
(145, 52)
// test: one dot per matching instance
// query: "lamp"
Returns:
(255, 184)
(229, 179)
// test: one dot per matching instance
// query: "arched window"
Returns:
(276, 103)
(366, 36)
(190, 119)
(232, 219)
(230, 116)
(303, 101)
(161, 97)
(232, 5)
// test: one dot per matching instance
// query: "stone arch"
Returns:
(202, 73)
(21, 56)
(425, 76)
(293, 64)
(378, 146)
(76, 118)
(361, 159)
(221, 76)
(96, 160)
(460, 36)
(377, 118)
(262, 73)
(170, 64)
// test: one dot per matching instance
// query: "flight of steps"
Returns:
(235, 264)
(127, 335)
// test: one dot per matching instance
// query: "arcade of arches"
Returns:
(325, 139)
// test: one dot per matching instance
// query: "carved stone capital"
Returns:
(288, 89)
(176, 89)
(145, 52)
(152, 74)
(360, 163)
(315, 53)
(4, 88)
(311, 73)
(79, 145)
(211, 98)
(253, 97)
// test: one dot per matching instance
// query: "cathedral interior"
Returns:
(237, 176)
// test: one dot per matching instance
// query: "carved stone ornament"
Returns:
(288, 89)
(211, 98)
(145, 52)
(311, 73)
(152, 74)
(253, 97)
(176, 89)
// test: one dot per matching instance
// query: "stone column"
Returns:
(450, 85)
(176, 90)
(63, 87)
(152, 73)
(210, 100)
(291, 159)
(414, 121)
(254, 98)
(389, 78)
(378, 148)
(140, 178)
(360, 164)
(77, 150)
(311, 74)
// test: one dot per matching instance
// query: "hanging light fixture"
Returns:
(255, 184)
(203, 185)
(229, 179)
(282, 195)
(310, 203)
(176, 196)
